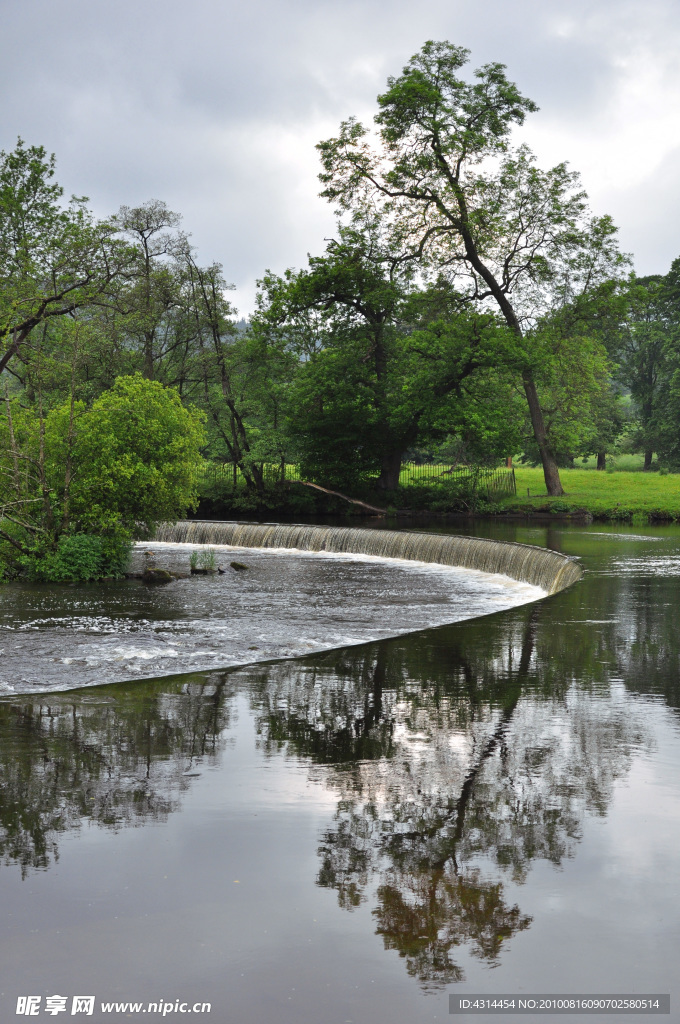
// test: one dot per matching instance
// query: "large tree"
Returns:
(666, 332)
(442, 169)
(153, 294)
(54, 258)
(384, 364)
(641, 352)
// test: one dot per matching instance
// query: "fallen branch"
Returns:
(337, 494)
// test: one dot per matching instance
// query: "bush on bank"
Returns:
(79, 558)
(81, 483)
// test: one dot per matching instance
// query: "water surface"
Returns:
(489, 806)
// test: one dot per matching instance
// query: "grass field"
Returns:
(618, 495)
(628, 463)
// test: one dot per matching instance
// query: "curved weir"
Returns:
(540, 567)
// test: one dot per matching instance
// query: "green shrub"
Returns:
(79, 558)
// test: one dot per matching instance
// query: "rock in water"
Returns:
(239, 566)
(156, 576)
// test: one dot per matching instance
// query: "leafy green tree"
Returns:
(54, 259)
(241, 377)
(636, 321)
(642, 356)
(138, 455)
(152, 296)
(580, 407)
(384, 364)
(111, 471)
(666, 415)
(462, 200)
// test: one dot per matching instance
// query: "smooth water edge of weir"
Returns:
(527, 563)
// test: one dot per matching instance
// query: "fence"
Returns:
(226, 476)
(482, 480)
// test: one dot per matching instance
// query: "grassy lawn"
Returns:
(634, 463)
(618, 495)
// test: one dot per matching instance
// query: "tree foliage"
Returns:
(385, 364)
(54, 259)
(464, 201)
(78, 483)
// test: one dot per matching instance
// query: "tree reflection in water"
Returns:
(116, 758)
(454, 773)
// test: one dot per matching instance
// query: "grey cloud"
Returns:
(215, 106)
(649, 215)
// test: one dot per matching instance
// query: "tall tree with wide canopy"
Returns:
(462, 200)
(54, 259)
(383, 364)
(152, 295)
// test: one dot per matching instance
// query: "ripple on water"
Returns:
(667, 566)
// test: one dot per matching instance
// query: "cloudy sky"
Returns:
(215, 105)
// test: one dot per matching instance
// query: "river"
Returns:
(486, 807)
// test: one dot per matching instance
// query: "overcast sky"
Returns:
(214, 106)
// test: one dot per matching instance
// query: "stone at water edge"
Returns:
(239, 566)
(156, 576)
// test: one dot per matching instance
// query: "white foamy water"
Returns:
(287, 604)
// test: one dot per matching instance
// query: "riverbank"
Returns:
(619, 496)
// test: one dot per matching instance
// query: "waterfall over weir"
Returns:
(540, 567)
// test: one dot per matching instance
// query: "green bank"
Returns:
(621, 495)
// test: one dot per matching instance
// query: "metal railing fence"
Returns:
(492, 482)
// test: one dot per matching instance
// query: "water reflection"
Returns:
(102, 760)
(449, 780)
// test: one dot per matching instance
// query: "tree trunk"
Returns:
(389, 471)
(649, 455)
(551, 473)
(13, 445)
(148, 357)
(601, 460)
